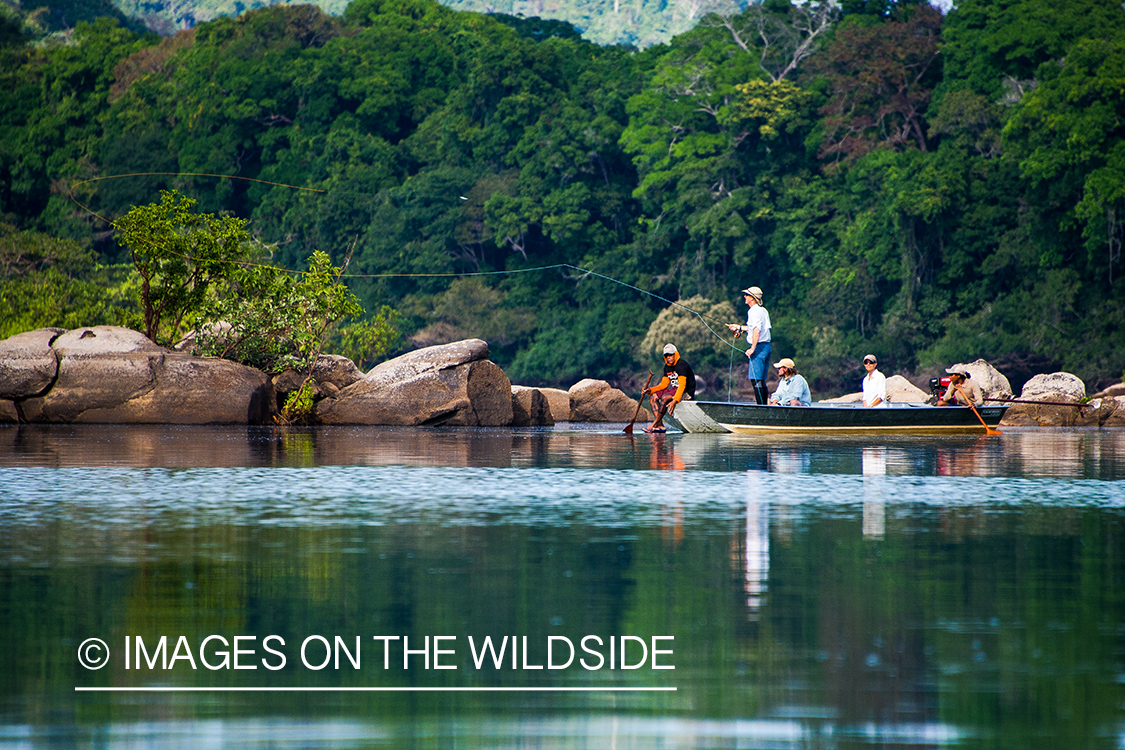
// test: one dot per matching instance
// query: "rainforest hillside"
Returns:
(929, 188)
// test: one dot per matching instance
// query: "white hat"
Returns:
(755, 292)
(669, 349)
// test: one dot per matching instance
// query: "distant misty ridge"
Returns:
(637, 22)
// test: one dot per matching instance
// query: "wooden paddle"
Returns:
(641, 400)
(987, 430)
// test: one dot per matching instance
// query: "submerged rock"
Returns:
(451, 384)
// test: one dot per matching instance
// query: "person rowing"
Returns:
(677, 384)
(962, 391)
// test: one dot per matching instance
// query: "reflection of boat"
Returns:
(724, 416)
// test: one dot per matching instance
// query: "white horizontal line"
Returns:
(373, 689)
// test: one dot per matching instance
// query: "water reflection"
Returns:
(1091, 454)
(757, 549)
(837, 592)
(874, 505)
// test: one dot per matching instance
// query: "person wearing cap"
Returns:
(962, 391)
(757, 330)
(792, 388)
(874, 383)
(677, 384)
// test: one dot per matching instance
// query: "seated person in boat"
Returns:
(874, 383)
(677, 384)
(792, 388)
(962, 391)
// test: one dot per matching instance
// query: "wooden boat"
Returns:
(725, 416)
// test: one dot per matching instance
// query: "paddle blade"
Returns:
(628, 429)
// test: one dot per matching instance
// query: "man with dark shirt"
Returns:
(677, 384)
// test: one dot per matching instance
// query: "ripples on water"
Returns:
(824, 592)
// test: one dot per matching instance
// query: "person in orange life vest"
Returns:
(677, 384)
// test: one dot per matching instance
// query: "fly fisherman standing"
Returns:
(757, 330)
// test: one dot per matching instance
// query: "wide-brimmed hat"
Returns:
(958, 371)
(669, 349)
(755, 292)
(786, 362)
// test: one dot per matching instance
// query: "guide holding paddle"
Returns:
(677, 384)
(962, 391)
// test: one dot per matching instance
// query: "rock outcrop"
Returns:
(1115, 390)
(28, 364)
(991, 383)
(597, 401)
(901, 390)
(451, 384)
(331, 373)
(1116, 416)
(559, 401)
(530, 408)
(847, 398)
(107, 374)
(1061, 388)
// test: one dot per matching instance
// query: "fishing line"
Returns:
(247, 264)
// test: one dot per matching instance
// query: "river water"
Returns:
(828, 592)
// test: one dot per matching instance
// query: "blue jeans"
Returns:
(759, 361)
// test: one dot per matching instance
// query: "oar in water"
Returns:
(987, 430)
(641, 400)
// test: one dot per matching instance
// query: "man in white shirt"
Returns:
(874, 384)
(757, 331)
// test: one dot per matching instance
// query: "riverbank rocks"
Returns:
(451, 384)
(559, 401)
(899, 390)
(1116, 417)
(902, 391)
(1115, 390)
(991, 383)
(28, 364)
(530, 408)
(331, 373)
(597, 401)
(1060, 387)
(113, 375)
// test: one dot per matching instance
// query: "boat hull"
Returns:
(723, 416)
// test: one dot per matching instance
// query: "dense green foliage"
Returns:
(46, 281)
(929, 188)
(203, 270)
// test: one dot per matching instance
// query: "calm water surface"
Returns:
(829, 592)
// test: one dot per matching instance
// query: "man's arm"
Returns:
(664, 383)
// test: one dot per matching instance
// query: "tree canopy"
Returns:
(930, 187)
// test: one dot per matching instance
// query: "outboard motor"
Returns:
(938, 385)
